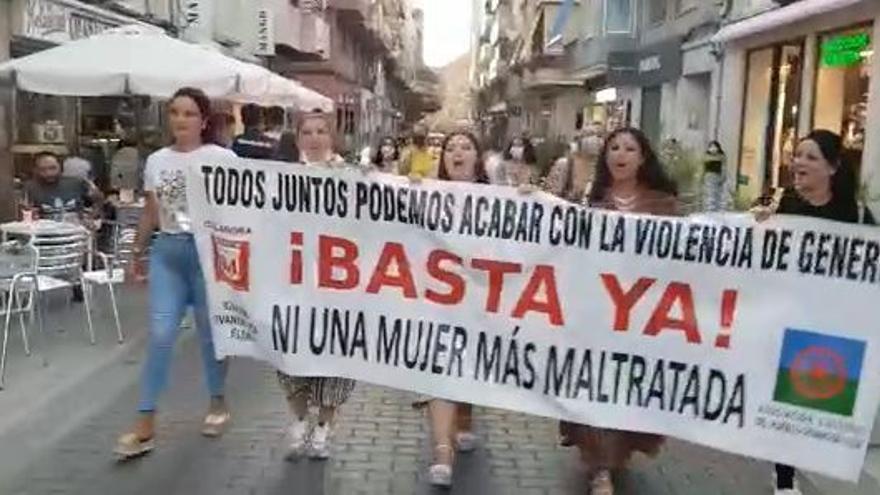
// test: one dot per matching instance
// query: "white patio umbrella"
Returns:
(286, 92)
(136, 60)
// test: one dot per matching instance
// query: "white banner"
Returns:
(755, 339)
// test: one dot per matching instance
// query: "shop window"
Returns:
(619, 16)
(770, 117)
(842, 82)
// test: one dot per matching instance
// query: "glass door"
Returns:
(770, 117)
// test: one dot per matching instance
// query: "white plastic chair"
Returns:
(17, 282)
(60, 261)
(113, 267)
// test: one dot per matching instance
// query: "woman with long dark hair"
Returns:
(387, 156)
(824, 186)
(176, 281)
(630, 178)
(520, 164)
(451, 425)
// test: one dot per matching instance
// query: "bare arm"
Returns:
(95, 196)
(149, 222)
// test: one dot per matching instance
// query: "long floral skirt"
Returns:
(603, 448)
(317, 391)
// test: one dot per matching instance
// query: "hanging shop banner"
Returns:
(60, 22)
(265, 30)
(650, 66)
(757, 339)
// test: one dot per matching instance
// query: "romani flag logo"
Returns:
(819, 371)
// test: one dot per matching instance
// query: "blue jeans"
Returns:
(176, 282)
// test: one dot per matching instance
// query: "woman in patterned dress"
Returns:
(629, 178)
(315, 142)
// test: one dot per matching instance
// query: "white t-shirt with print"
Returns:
(165, 175)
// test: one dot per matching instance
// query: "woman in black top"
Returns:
(824, 186)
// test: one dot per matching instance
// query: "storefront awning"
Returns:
(789, 14)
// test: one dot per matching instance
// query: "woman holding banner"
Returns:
(824, 186)
(452, 422)
(315, 142)
(176, 279)
(628, 178)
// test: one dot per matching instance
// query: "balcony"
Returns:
(353, 10)
(306, 34)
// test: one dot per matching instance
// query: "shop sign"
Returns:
(192, 13)
(56, 22)
(649, 66)
(845, 50)
(197, 18)
(265, 31)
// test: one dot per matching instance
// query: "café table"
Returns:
(40, 228)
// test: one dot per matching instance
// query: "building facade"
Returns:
(671, 73)
(366, 56)
(790, 69)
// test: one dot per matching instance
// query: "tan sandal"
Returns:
(215, 424)
(601, 484)
(130, 446)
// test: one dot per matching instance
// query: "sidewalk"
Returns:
(381, 447)
(43, 401)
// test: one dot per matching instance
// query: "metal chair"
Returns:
(18, 280)
(60, 261)
(113, 266)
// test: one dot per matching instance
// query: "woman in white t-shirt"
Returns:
(176, 281)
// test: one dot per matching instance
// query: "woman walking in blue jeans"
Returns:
(176, 281)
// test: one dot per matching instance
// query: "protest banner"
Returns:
(753, 339)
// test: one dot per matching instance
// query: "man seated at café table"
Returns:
(57, 197)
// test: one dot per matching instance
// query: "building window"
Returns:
(842, 81)
(619, 16)
(770, 117)
(656, 11)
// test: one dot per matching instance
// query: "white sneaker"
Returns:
(297, 434)
(321, 442)
(466, 441)
(440, 475)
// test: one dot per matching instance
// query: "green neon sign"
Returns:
(845, 50)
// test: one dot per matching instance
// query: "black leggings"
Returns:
(784, 476)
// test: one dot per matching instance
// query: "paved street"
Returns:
(381, 446)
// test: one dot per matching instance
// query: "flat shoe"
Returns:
(215, 424)
(130, 446)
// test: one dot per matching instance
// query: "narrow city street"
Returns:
(380, 446)
(654, 216)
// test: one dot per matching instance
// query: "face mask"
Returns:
(517, 153)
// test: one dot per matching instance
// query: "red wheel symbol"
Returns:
(818, 373)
